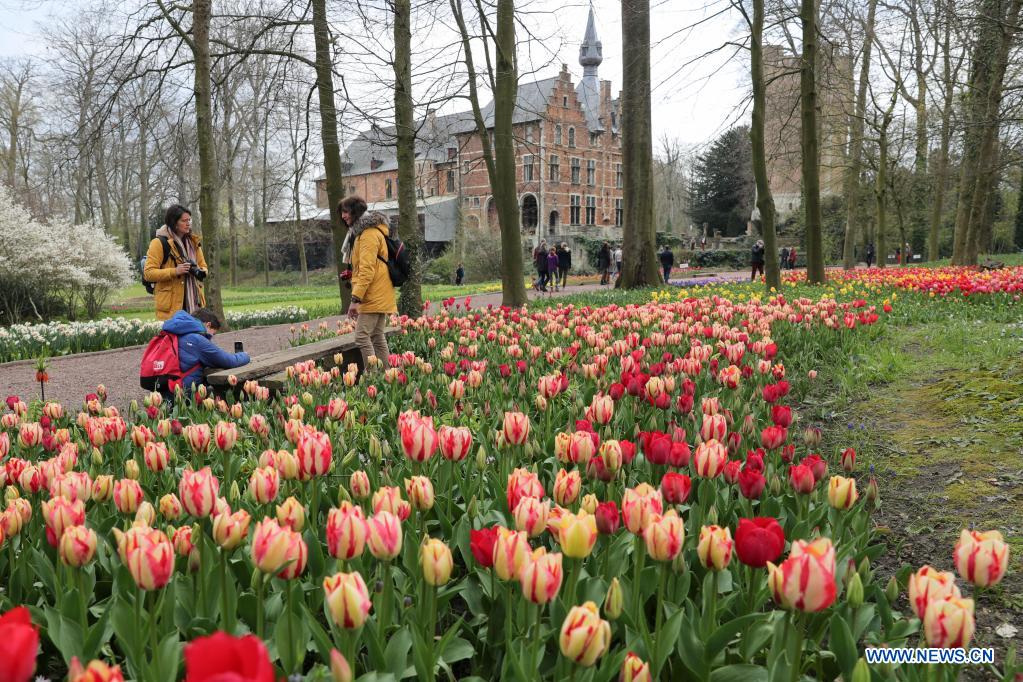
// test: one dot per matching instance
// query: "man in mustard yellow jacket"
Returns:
(372, 292)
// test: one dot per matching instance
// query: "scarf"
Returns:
(186, 247)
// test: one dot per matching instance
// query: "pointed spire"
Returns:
(591, 50)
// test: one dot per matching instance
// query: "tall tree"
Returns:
(810, 143)
(1017, 235)
(949, 76)
(882, 182)
(639, 262)
(765, 199)
(997, 25)
(853, 214)
(722, 186)
(329, 136)
(499, 151)
(410, 301)
(198, 41)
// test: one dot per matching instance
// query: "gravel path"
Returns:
(74, 376)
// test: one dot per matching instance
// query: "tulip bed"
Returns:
(27, 341)
(570, 492)
(943, 281)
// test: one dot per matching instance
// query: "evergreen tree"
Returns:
(723, 189)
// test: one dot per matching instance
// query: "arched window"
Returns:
(571, 137)
(557, 134)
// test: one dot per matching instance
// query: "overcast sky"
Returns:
(694, 98)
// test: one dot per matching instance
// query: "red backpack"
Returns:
(161, 369)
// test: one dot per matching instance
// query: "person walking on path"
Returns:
(175, 265)
(757, 259)
(540, 263)
(792, 258)
(667, 262)
(604, 262)
(870, 254)
(552, 269)
(618, 262)
(372, 292)
(564, 263)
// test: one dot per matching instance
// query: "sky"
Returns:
(698, 87)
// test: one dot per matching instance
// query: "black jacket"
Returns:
(564, 259)
(758, 254)
(604, 258)
(667, 258)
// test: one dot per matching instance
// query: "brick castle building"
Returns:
(568, 161)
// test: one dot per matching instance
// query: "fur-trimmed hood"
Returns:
(372, 219)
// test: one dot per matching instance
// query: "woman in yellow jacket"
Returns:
(372, 291)
(177, 278)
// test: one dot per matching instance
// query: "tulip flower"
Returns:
(96, 671)
(801, 478)
(384, 537)
(773, 437)
(781, 415)
(522, 483)
(981, 558)
(221, 656)
(198, 491)
(709, 459)
(584, 635)
(314, 454)
(418, 437)
(581, 448)
(848, 460)
(60, 513)
(198, 437)
(225, 435)
(567, 485)
(531, 516)
(806, 580)
(420, 492)
(156, 456)
(664, 536)
(929, 584)
(607, 517)
(127, 495)
(347, 599)
(230, 529)
(437, 562)
(602, 409)
(77, 546)
(455, 442)
(614, 600)
(19, 644)
(751, 483)
(511, 552)
(264, 484)
(818, 466)
(842, 492)
(759, 540)
(269, 546)
(714, 427)
(715, 547)
(359, 484)
(541, 578)
(151, 561)
(515, 428)
(639, 504)
(340, 671)
(295, 555)
(577, 534)
(634, 670)
(675, 488)
(481, 544)
(346, 532)
(949, 622)
(388, 498)
(291, 514)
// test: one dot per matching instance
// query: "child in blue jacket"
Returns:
(195, 349)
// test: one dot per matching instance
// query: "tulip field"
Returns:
(614, 487)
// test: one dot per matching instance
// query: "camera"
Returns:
(195, 271)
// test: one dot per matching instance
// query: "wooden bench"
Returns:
(270, 369)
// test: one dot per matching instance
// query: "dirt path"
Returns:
(943, 430)
(74, 376)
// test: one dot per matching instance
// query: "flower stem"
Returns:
(224, 615)
(385, 597)
(260, 605)
(79, 579)
(639, 556)
(659, 618)
(291, 618)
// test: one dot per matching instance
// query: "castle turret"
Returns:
(591, 54)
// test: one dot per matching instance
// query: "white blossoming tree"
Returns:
(52, 268)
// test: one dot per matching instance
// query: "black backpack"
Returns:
(151, 286)
(399, 262)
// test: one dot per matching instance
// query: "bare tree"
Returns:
(810, 145)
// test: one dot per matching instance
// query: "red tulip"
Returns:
(773, 437)
(676, 487)
(730, 472)
(608, 518)
(19, 644)
(223, 658)
(680, 454)
(848, 460)
(628, 450)
(788, 453)
(481, 543)
(755, 460)
(801, 478)
(751, 483)
(781, 415)
(657, 447)
(759, 540)
(817, 465)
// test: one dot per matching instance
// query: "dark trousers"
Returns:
(667, 272)
(757, 267)
(563, 276)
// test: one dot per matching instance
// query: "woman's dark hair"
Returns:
(174, 213)
(205, 315)
(354, 205)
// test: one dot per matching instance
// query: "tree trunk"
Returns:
(765, 199)
(639, 261)
(264, 202)
(143, 223)
(941, 175)
(1017, 240)
(513, 288)
(995, 34)
(881, 196)
(810, 145)
(296, 197)
(201, 12)
(410, 301)
(853, 214)
(331, 143)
